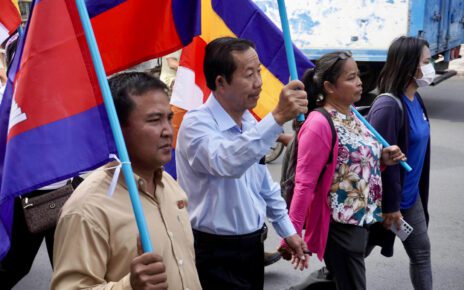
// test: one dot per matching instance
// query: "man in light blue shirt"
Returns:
(219, 154)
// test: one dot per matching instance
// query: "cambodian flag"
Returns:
(9, 18)
(238, 18)
(53, 124)
(131, 31)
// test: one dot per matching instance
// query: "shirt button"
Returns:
(181, 262)
(186, 289)
(170, 234)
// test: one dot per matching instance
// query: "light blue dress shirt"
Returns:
(217, 162)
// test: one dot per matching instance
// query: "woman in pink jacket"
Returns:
(336, 198)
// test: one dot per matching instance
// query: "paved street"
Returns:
(445, 104)
(446, 107)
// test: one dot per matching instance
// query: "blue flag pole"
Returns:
(294, 75)
(20, 31)
(115, 127)
(377, 135)
(288, 47)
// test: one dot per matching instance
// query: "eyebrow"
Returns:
(159, 114)
(155, 114)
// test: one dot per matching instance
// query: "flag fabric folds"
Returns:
(129, 32)
(53, 124)
(57, 125)
(190, 90)
(240, 18)
(10, 18)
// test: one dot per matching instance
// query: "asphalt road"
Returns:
(445, 104)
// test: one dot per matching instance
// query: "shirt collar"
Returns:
(140, 181)
(223, 119)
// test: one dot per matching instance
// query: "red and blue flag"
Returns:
(238, 18)
(9, 18)
(53, 124)
(131, 31)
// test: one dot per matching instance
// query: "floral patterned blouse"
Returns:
(356, 193)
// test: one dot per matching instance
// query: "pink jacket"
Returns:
(309, 205)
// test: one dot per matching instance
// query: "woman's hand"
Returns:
(297, 262)
(285, 252)
(295, 250)
(392, 155)
(392, 218)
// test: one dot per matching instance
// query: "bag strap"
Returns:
(397, 100)
(292, 150)
(332, 127)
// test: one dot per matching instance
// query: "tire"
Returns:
(274, 153)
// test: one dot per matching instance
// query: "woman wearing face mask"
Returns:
(405, 194)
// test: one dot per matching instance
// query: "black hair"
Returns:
(124, 86)
(403, 59)
(219, 60)
(328, 67)
(10, 51)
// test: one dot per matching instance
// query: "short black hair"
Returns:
(219, 60)
(126, 85)
(403, 59)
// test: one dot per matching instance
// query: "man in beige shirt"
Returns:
(96, 240)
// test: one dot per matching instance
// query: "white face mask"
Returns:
(428, 75)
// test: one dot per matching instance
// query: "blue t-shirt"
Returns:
(419, 132)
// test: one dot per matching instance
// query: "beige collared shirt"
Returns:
(96, 235)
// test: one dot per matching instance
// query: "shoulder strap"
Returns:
(332, 127)
(397, 100)
(289, 166)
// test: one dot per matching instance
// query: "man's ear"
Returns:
(328, 87)
(220, 82)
